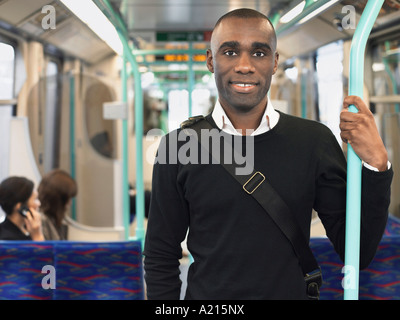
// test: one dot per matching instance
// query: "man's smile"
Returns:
(243, 87)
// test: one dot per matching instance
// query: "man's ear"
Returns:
(276, 62)
(210, 62)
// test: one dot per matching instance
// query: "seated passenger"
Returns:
(19, 201)
(56, 191)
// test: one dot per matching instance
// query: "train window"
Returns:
(7, 57)
(386, 99)
(178, 108)
(386, 72)
(178, 105)
(330, 85)
(7, 66)
(154, 106)
(202, 101)
(101, 132)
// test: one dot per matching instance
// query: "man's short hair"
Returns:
(245, 13)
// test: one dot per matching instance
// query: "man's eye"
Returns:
(259, 54)
(230, 53)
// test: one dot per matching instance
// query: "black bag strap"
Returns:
(256, 185)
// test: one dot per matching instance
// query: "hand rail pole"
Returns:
(354, 165)
(119, 25)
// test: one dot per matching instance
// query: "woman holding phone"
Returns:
(20, 202)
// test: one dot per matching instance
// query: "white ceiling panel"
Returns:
(16, 11)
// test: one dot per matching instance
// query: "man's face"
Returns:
(243, 58)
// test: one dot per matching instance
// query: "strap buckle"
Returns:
(254, 182)
(313, 283)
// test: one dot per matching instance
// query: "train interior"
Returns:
(70, 99)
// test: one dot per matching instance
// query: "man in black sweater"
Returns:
(238, 250)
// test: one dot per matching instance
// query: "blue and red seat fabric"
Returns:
(113, 270)
(380, 281)
(82, 271)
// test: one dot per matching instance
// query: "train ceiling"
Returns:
(147, 18)
(185, 15)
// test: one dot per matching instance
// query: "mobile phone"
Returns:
(23, 210)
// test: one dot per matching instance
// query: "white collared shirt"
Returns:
(268, 120)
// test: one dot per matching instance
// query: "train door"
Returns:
(89, 146)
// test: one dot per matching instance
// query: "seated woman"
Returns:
(56, 190)
(19, 201)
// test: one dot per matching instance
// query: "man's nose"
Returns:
(244, 64)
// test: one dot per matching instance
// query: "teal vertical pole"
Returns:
(275, 19)
(125, 157)
(122, 32)
(164, 113)
(140, 206)
(72, 137)
(190, 78)
(353, 205)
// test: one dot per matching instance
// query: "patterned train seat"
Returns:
(21, 265)
(82, 270)
(110, 271)
(380, 281)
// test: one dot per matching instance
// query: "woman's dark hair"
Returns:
(55, 190)
(14, 190)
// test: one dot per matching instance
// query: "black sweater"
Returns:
(238, 251)
(9, 231)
